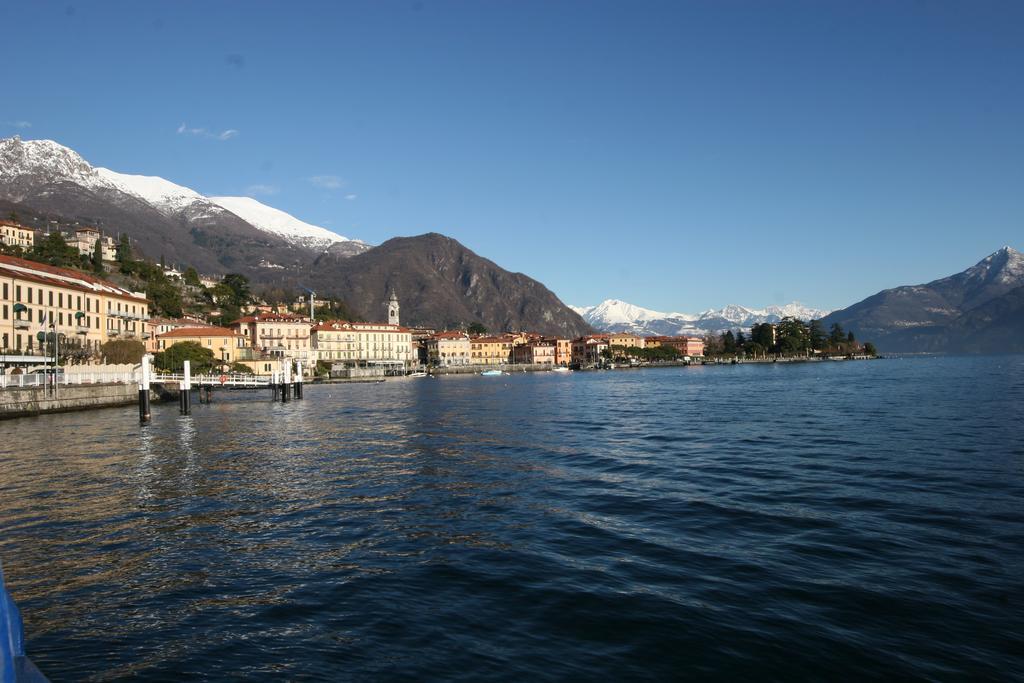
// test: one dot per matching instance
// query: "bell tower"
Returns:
(393, 309)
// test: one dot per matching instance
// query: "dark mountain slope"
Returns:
(973, 311)
(440, 283)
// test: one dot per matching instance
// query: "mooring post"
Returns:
(186, 389)
(273, 385)
(298, 379)
(286, 380)
(144, 414)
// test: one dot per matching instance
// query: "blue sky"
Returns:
(676, 155)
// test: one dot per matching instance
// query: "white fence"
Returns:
(38, 379)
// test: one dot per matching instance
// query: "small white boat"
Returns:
(560, 370)
(492, 373)
(418, 374)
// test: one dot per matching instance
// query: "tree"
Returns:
(174, 357)
(165, 297)
(124, 251)
(97, 258)
(118, 351)
(817, 335)
(53, 250)
(239, 286)
(792, 336)
(476, 328)
(870, 349)
(741, 339)
(763, 335)
(192, 277)
(850, 338)
(836, 336)
(241, 368)
(728, 343)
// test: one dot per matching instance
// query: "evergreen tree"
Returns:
(97, 257)
(836, 336)
(192, 277)
(741, 340)
(124, 251)
(817, 335)
(850, 338)
(728, 343)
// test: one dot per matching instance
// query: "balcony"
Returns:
(22, 324)
(113, 333)
(82, 329)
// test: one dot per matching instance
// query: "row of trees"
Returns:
(788, 337)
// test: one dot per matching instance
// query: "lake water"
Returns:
(818, 521)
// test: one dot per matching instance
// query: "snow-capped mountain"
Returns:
(618, 316)
(27, 164)
(273, 220)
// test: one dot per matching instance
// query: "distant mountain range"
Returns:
(980, 310)
(618, 316)
(437, 279)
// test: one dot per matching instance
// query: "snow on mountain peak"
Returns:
(618, 316)
(41, 157)
(273, 220)
(153, 189)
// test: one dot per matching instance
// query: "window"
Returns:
(30, 295)
(51, 298)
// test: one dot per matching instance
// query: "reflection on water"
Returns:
(791, 522)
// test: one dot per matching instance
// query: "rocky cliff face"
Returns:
(977, 310)
(440, 284)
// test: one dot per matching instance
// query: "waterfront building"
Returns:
(563, 351)
(625, 340)
(537, 352)
(686, 346)
(86, 310)
(491, 350)
(277, 334)
(589, 350)
(84, 239)
(159, 326)
(352, 344)
(448, 348)
(227, 345)
(16, 235)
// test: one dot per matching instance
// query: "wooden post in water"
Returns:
(144, 414)
(185, 393)
(298, 380)
(286, 380)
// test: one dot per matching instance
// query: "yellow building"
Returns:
(363, 344)
(227, 345)
(85, 310)
(625, 340)
(16, 235)
(491, 350)
(277, 334)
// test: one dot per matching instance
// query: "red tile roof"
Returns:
(200, 332)
(42, 273)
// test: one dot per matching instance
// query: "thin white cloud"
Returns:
(254, 190)
(350, 197)
(17, 124)
(183, 129)
(328, 182)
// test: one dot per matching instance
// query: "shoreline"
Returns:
(24, 402)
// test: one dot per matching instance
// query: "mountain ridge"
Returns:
(957, 313)
(613, 315)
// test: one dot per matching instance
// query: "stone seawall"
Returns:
(35, 401)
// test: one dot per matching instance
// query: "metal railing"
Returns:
(39, 379)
